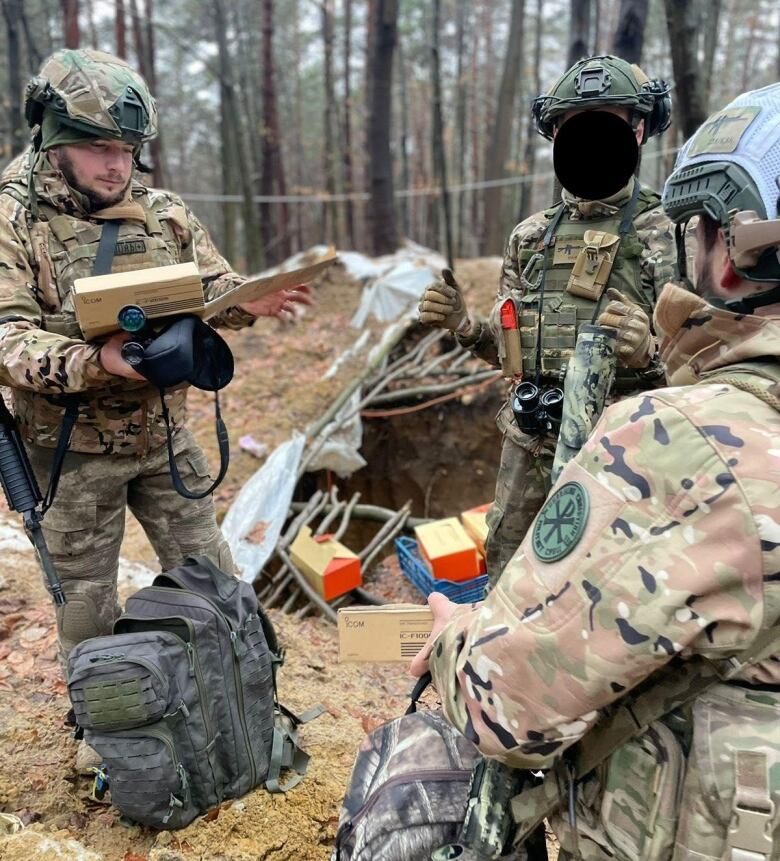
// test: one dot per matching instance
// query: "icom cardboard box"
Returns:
(163, 291)
(475, 523)
(392, 632)
(331, 568)
(448, 550)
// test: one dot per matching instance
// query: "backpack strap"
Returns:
(285, 750)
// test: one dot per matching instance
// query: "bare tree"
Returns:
(439, 158)
(710, 26)
(630, 32)
(498, 150)
(691, 102)
(346, 149)
(93, 39)
(120, 30)
(70, 22)
(12, 12)
(529, 157)
(383, 35)
(330, 210)
(460, 117)
(272, 168)
(579, 31)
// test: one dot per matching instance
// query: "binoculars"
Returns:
(537, 411)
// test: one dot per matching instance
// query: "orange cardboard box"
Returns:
(475, 524)
(330, 567)
(448, 550)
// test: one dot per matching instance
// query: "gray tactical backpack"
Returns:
(180, 701)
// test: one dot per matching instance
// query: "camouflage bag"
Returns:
(180, 701)
(408, 792)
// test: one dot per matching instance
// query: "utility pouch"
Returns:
(642, 788)
(731, 799)
(593, 265)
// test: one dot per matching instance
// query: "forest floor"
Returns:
(279, 387)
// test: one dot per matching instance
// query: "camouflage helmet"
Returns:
(600, 81)
(94, 93)
(729, 171)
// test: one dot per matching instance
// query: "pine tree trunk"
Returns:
(34, 57)
(272, 169)
(579, 31)
(70, 22)
(120, 30)
(498, 152)
(630, 33)
(460, 119)
(329, 118)
(531, 141)
(93, 39)
(439, 158)
(681, 21)
(384, 30)
(711, 24)
(349, 179)
(12, 12)
(406, 181)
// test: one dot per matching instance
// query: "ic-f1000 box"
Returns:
(392, 632)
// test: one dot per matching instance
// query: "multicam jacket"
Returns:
(43, 355)
(644, 263)
(663, 543)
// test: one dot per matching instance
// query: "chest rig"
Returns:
(566, 274)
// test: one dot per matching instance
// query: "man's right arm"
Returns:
(30, 357)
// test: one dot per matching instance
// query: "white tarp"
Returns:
(341, 450)
(262, 505)
(394, 293)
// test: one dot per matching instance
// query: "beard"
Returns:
(97, 199)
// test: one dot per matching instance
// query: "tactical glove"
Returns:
(635, 345)
(442, 305)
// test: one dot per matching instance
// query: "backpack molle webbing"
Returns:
(180, 701)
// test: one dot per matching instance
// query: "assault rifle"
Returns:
(23, 495)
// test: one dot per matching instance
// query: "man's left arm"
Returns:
(646, 554)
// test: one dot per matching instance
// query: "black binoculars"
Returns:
(537, 412)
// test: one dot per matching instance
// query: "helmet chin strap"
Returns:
(748, 304)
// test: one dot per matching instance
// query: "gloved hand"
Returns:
(635, 342)
(442, 305)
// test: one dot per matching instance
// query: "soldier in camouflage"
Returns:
(658, 551)
(625, 242)
(90, 114)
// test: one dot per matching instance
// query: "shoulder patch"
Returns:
(561, 522)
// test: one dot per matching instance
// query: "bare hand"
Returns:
(111, 357)
(442, 609)
(281, 304)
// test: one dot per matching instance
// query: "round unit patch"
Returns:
(561, 522)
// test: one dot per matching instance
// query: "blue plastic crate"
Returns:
(417, 573)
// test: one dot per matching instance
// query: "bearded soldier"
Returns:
(90, 114)
(585, 260)
(632, 644)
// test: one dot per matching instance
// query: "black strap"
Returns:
(628, 215)
(549, 235)
(417, 691)
(224, 450)
(104, 259)
(63, 441)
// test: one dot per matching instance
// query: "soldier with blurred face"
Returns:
(646, 597)
(600, 257)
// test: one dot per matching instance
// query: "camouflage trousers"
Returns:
(521, 488)
(85, 525)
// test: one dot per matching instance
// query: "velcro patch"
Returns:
(130, 246)
(561, 522)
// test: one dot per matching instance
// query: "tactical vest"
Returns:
(550, 271)
(124, 417)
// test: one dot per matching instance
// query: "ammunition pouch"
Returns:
(593, 265)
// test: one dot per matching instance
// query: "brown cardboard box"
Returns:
(392, 632)
(448, 550)
(475, 524)
(166, 290)
(330, 567)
